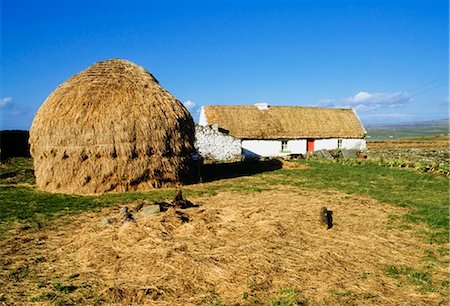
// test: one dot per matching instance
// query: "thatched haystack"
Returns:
(111, 127)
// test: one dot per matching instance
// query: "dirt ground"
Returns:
(234, 248)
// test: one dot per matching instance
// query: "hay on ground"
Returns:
(235, 245)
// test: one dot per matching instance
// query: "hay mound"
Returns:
(111, 127)
(235, 244)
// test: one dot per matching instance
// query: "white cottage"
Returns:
(282, 130)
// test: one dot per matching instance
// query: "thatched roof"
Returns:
(285, 122)
(111, 127)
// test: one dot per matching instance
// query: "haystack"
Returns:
(111, 127)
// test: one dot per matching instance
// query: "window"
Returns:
(284, 146)
(339, 143)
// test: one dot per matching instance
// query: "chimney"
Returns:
(262, 106)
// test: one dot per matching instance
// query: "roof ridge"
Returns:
(278, 106)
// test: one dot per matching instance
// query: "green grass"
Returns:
(285, 297)
(24, 203)
(409, 130)
(18, 274)
(65, 288)
(17, 170)
(411, 276)
(346, 297)
(424, 195)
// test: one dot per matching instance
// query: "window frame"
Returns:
(284, 146)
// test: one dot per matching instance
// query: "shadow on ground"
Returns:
(213, 172)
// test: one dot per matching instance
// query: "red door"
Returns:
(310, 145)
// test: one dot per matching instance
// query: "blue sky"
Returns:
(387, 59)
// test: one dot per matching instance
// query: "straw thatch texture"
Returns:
(258, 243)
(285, 122)
(111, 127)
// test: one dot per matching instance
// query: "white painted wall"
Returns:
(202, 120)
(270, 148)
(266, 148)
(297, 146)
(327, 144)
(332, 143)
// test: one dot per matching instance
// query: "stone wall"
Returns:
(212, 144)
(423, 155)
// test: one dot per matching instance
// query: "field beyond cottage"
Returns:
(255, 238)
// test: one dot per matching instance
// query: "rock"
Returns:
(309, 155)
(108, 221)
(213, 144)
(322, 154)
(317, 154)
(362, 155)
(150, 210)
(127, 216)
(178, 196)
(143, 203)
(412, 155)
(349, 153)
(326, 154)
(296, 156)
(138, 207)
(178, 202)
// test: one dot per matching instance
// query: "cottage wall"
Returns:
(297, 146)
(327, 144)
(202, 120)
(269, 148)
(266, 148)
(332, 143)
(213, 145)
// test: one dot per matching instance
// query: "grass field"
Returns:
(407, 130)
(389, 244)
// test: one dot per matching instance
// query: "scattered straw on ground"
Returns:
(293, 165)
(237, 245)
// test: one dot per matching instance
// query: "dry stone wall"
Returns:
(214, 145)
(424, 155)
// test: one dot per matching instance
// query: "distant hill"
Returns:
(406, 129)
